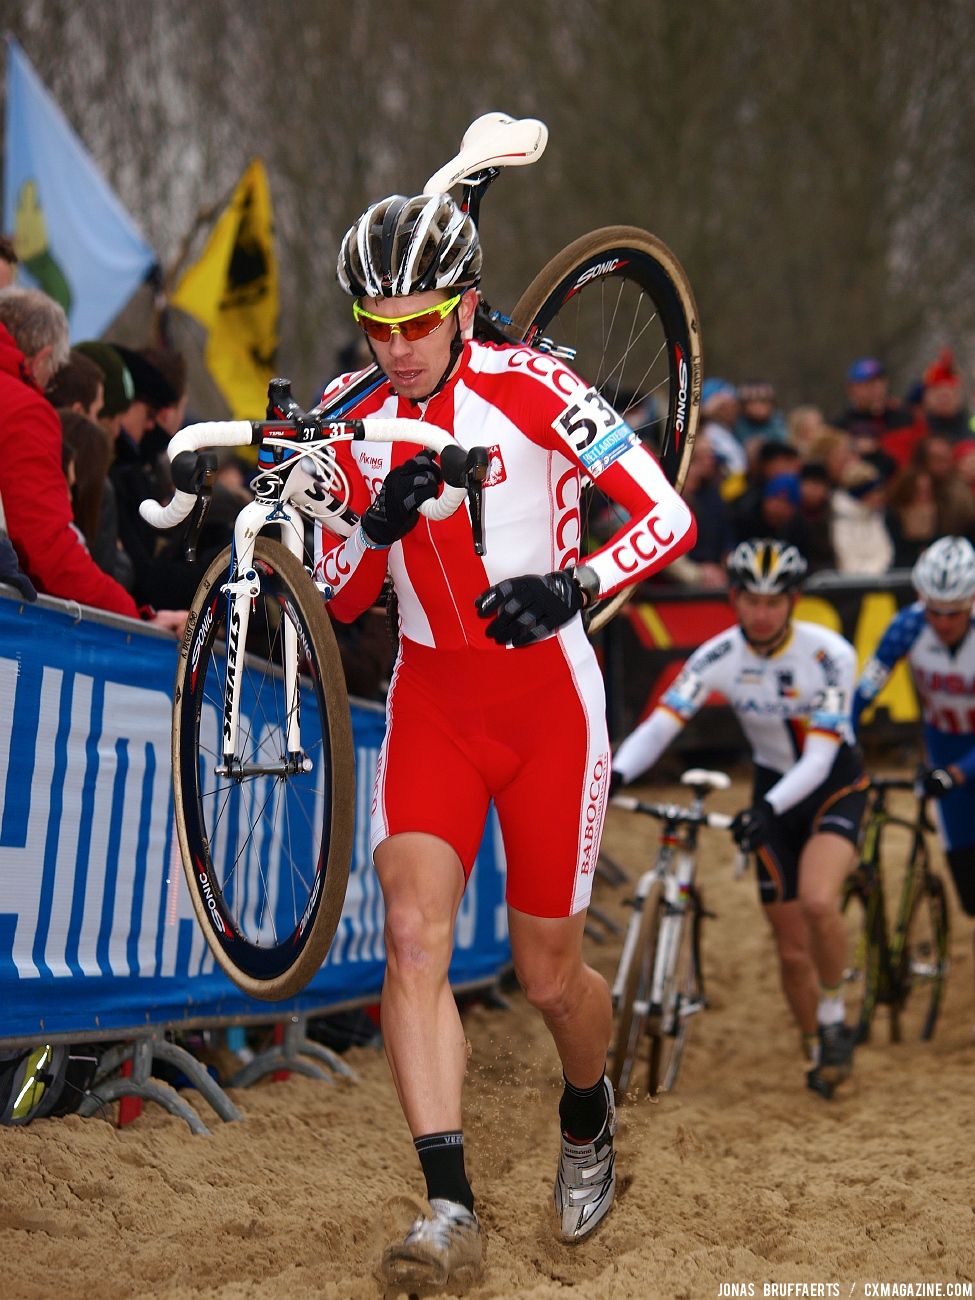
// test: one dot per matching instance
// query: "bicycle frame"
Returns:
(886, 982)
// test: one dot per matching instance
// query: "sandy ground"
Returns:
(740, 1176)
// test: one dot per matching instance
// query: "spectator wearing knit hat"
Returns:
(943, 400)
(152, 391)
(776, 514)
(871, 413)
(758, 415)
(119, 389)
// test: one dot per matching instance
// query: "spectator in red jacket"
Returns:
(33, 345)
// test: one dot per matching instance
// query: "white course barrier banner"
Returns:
(97, 931)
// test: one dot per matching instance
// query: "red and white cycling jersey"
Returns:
(545, 429)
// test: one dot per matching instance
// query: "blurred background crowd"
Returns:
(859, 489)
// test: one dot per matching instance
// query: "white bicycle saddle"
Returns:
(700, 776)
(493, 140)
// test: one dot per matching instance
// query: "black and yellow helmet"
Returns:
(766, 566)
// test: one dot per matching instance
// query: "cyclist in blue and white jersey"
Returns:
(936, 636)
(791, 686)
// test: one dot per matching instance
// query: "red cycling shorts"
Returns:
(526, 728)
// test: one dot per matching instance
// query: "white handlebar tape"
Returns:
(212, 433)
(170, 515)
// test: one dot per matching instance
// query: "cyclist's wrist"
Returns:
(587, 580)
(368, 544)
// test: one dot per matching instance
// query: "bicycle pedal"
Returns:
(692, 1008)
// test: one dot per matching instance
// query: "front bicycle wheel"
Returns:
(683, 998)
(865, 947)
(617, 306)
(266, 849)
(630, 1043)
(921, 968)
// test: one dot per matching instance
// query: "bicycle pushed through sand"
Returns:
(900, 961)
(659, 983)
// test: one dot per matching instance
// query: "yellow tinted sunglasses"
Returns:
(417, 325)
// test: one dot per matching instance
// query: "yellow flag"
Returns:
(232, 290)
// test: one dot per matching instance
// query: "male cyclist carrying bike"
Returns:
(791, 687)
(936, 636)
(496, 693)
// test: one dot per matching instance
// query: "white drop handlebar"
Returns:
(241, 433)
(717, 820)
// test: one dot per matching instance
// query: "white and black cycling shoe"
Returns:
(836, 1052)
(586, 1180)
(445, 1248)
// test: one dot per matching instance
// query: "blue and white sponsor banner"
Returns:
(72, 235)
(97, 930)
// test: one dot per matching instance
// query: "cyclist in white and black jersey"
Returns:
(791, 687)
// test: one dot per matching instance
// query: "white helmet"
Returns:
(766, 566)
(404, 245)
(946, 570)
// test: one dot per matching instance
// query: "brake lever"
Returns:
(201, 475)
(468, 470)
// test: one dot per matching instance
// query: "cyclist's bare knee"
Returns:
(820, 907)
(417, 947)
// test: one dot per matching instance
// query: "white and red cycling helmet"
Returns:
(400, 246)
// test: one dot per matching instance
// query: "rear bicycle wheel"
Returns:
(921, 969)
(630, 1043)
(266, 852)
(617, 306)
(683, 998)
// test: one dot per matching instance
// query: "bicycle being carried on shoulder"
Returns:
(659, 984)
(263, 767)
(904, 968)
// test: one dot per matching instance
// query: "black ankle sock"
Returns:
(442, 1160)
(582, 1111)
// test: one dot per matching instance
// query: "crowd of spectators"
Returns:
(858, 492)
(84, 434)
(83, 437)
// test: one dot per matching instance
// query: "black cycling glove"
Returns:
(529, 608)
(752, 826)
(937, 781)
(11, 572)
(616, 782)
(397, 507)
